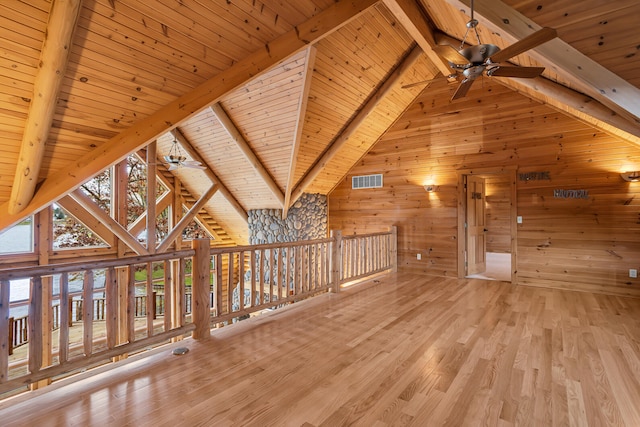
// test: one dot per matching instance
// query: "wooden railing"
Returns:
(105, 319)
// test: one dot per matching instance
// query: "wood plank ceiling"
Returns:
(276, 98)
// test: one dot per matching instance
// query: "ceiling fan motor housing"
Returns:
(479, 54)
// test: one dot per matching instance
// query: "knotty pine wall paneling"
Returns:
(584, 244)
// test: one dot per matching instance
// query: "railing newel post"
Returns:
(336, 259)
(394, 248)
(200, 288)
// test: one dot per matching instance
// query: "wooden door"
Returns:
(475, 226)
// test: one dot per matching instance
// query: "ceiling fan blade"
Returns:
(193, 164)
(450, 78)
(449, 53)
(463, 88)
(172, 167)
(522, 72)
(529, 42)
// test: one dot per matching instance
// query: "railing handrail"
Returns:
(53, 269)
(71, 267)
(364, 236)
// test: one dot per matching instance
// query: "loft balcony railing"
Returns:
(81, 314)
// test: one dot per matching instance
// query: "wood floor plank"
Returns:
(403, 350)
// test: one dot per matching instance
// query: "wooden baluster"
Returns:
(241, 281)
(87, 315)
(261, 277)
(35, 325)
(111, 302)
(181, 298)
(6, 332)
(294, 269)
(308, 267)
(149, 293)
(252, 295)
(169, 285)
(270, 275)
(65, 319)
(279, 279)
(230, 283)
(325, 265)
(154, 304)
(219, 294)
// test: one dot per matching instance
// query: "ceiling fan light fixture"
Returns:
(174, 159)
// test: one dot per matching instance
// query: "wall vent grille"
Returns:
(366, 181)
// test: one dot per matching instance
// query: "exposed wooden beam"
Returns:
(151, 196)
(204, 224)
(412, 18)
(109, 222)
(162, 203)
(201, 220)
(177, 230)
(119, 186)
(316, 28)
(567, 100)
(78, 211)
(184, 142)
(581, 107)
(246, 149)
(587, 75)
(176, 212)
(51, 70)
(389, 84)
(297, 136)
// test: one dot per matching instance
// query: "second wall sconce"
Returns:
(631, 176)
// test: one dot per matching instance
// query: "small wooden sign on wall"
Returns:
(535, 176)
(570, 194)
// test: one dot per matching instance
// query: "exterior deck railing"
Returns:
(80, 314)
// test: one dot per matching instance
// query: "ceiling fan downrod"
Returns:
(471, 24)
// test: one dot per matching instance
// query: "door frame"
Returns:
(511, 171)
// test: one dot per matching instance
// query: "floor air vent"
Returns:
(366, 181)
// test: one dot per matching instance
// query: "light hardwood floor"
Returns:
(404, 350)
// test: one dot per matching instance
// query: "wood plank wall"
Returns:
(587, 244)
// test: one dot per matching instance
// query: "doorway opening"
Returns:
(487, 240)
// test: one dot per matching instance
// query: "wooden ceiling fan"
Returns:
(483, 58)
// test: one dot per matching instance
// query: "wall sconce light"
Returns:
(631, 176)
(430, 188)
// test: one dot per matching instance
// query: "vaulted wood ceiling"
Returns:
(274, 98)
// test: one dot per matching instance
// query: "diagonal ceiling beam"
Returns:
(581, 107)
(243, 145)
(64, 181)
(51, 70)
(109, 222)
(210, 174)
(371, 104)
(413, 19)
(78, 211)
(162, 203)
(588, 76)
(177, 230)
(152, 181)
(310, 60)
